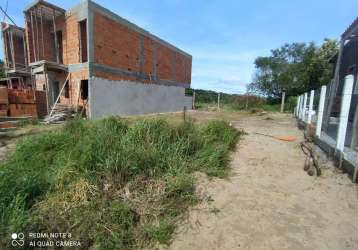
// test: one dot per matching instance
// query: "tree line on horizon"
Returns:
(294, 68)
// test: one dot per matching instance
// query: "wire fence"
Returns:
(211, 101)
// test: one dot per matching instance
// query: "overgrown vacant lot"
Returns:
(112, 184)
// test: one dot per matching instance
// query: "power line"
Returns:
(3, 11)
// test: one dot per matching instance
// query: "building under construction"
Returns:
(89, 57)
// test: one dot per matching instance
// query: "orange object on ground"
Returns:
(281, 138)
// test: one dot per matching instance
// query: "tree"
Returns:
(293, 68)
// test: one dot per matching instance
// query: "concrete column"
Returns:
(298, 106)
(354, 144)
(305, 96)
(345, 106)
(322, 100)
(301, 107)
(283, 101)
(310, 108)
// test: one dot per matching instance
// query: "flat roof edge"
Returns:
(36, 2)
(133, 26)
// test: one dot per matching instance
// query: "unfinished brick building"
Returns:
(89, 56)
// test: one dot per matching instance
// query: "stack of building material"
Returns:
(22, 102)
(4, 102)
(60, 114)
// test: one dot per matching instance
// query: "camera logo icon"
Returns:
(17, 239)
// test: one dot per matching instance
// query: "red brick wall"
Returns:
(115, 44)
(71, 41)
(74, 81)
(118, 46)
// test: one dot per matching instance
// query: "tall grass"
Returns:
(111, 184)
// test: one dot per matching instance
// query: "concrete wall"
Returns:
(132, 98)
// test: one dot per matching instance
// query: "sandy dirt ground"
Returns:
(269, 202)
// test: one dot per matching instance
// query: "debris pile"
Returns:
(60, 114)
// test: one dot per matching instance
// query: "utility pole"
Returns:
(283, 101)
(219, 101)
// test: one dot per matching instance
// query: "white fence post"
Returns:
(310, 109)
(345, 106)
(322, 99)
(304, 107)
(301, 107)
(298, 106)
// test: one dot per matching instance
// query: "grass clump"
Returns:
(111, 184)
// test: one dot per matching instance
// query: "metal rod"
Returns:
(55, 35)
(33, 37)
(42, 34)
(37, 35)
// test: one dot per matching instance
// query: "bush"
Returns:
(111, 184)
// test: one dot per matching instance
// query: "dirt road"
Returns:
(269, 202)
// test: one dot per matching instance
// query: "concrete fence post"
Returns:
(300, 108)
(322, 100)
(283, 101)
(297, 111)
(345, 106)
(310, 108)
(304, 107)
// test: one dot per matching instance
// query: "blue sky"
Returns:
(225, 37)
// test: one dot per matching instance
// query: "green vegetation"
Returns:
(111, 184)
(294, 68)
(206, 99)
